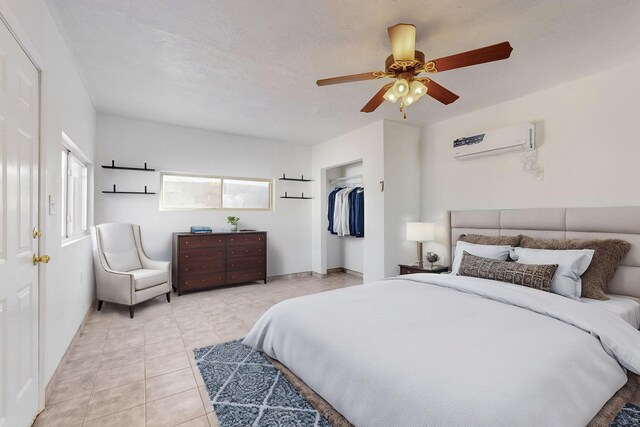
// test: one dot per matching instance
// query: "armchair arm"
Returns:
(113, 286)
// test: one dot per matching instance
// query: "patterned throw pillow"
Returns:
(480, 239)
(537, 276)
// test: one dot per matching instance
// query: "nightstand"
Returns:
(410, 269)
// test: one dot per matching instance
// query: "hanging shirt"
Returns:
(346, 210)
(337, 212)
(359, 212)
(352, 211)
(330, 210)
(341, 212)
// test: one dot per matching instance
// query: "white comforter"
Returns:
(441, 350)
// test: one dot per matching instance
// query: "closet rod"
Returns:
(346, 178)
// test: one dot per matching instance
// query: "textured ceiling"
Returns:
(249, 67)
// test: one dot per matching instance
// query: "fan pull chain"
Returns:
(402, 110)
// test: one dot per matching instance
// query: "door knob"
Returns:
(36, 233)
(42, 258)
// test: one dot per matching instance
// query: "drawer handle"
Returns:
(186, 269)
(186, 243)
(186, 256)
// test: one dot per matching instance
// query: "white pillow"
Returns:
(571, 265)
(500, 253)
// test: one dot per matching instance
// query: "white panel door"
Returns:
(19, 134)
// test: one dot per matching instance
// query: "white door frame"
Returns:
(12, 23)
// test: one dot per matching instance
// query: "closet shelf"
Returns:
(129, 168)
(301, 179)
(114, 191)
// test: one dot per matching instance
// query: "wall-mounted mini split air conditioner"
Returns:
(511, 139)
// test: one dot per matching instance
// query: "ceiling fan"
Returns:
(405, 64)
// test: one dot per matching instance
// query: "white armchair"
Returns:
(124, 273)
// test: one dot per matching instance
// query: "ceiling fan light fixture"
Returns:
(417, 89)
(408, 99)
(390, 96)
(400, 88)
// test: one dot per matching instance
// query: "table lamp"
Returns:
(420, 232)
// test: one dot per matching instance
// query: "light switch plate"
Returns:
(52, 204)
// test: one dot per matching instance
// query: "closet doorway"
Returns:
(345, 251)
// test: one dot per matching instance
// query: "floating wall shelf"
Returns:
(127, 192)
(129, 168)
(286, 196)
(301, 179)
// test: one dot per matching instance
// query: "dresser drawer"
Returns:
(239, 264)
(254, 250)
(201, 281)
(246, 239)
(191, 268)
(204, 241)
(203, 254)
(245, 276)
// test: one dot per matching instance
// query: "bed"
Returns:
(448, 350)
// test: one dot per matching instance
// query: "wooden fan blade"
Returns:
(348, 79)
(377, 99)
(403, 41)
(492, 53)
(438, 92)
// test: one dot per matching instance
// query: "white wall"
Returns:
(402, 189)
(178, 149)
(587, 133)
(66, 106)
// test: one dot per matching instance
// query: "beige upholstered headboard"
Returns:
(562, 223)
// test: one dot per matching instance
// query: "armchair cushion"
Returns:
(144, 278)
(119, 247)
(123, 261)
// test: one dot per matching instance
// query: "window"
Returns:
(189, 192)
(74, 195)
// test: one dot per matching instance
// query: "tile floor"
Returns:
(140, 371)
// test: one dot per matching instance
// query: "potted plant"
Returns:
(432, 258)
(233, 222)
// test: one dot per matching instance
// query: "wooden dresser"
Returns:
(203, 261)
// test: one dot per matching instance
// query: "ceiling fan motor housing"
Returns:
(412, 66)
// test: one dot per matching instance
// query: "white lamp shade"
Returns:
(400, 88)
(420, 231)
(417, 89)
(390, 95)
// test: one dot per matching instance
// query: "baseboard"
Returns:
(343, 270)
(330, 271)
(290, 276)
(352, 272)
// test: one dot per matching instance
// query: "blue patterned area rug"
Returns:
(629, 416)
(247, 390)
